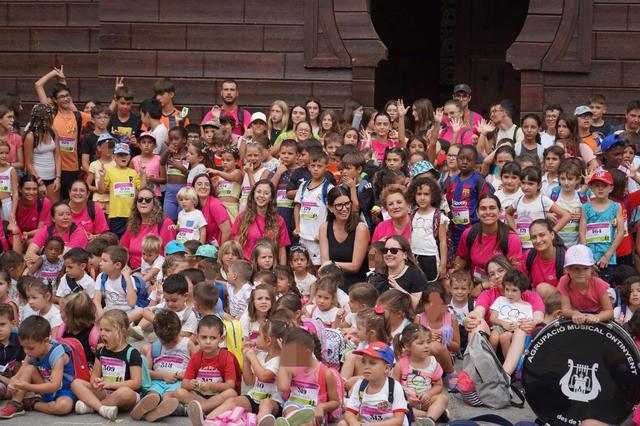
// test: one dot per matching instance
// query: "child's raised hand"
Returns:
(119, 83)
(215, 111)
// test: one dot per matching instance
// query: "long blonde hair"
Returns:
(284, 123)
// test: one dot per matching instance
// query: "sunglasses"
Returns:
(145, 199)
(299, 249)
(392, 250)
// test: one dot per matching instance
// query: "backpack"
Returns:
(531, 256)
(51, 228)
(142, 293)
(94, 337)
(73, 348)
(555, 194)
(331, 342)
(325, 189)
(197, 359)
(233, 338)
(392, 385)
(145, 382)
(91, 208)
(483, 367)
(474, 231)
(336, 414)
(489, 418)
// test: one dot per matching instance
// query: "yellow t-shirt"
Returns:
(94, 168)
(66, 128)
(123, 185)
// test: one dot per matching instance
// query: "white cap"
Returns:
(258, 116)
(578, 255)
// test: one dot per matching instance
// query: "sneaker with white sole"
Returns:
(195, 413)
(281, 421)
(136, 332)
(268, 420)
(11, 409)
(146, 404)
(82, 408)
(302, 416)
(424, 421)
(109, 412)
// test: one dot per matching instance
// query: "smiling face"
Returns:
(341, 208)
(202, 186)
(393, 254)
(488, 211)
(144, 202)
(397, 206)
(262, 195)
(541, 237)
(62, 216)
(29, 191)
(79, 193)
(303, 131)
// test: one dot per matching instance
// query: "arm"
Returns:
(360, 246)
(54, 383)
(132, 298)
(460, 263)
(236, 175)
(15, 195)
(39, 86)
(582, 228)
(282, 255)
(402, 112)
(92, 182)
(563, 217)
(333, 399)
(324, 244)
(603, 262)
(568, 311)
(19, 163)
(296, 219)
(203, 234)
(509, 212)
(487, 162)
(112, 104)
(247, 374)
(349, 367)
(85, 162)
(58, 161)
(607, 310)
(225, 231)
(97, 301)
(283, 378)
(454, 345)
(442, 232)
(260, 372)
(28, 155)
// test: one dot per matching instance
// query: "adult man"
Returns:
(229, 94)
(462, 92)
(550, 114)
(502, 117)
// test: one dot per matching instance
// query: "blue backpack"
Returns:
(142, 293)
(325, 189)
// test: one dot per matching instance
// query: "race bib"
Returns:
(170, 363)
(67, 144)
(113, 369)
(304, 393)
(5, 184)
(522, 228)
(209, 376)
(461, 215)
(376, 414)
(309, 210)
(224, 188)
(123, 190)
(282, 200)
(598, 233)
(262, 390)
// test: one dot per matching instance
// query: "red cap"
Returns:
(378, 350)
(602, 175)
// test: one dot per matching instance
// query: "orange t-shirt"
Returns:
(589, 140)
(171, 120)
(66, 128)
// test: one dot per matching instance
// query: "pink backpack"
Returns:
(323, 396)
(94, 336)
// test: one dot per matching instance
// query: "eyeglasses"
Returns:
(145, 200)
(67, 96)
(392, 250)
(298, 249)
(342, 206)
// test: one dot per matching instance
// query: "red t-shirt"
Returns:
(71, 240)
(134, 242)
(480, 254)
(256, 231)
(215, 213)
(626, 245)
(588, 302)
(218, 369)
(543, 271)
(28, 217)
(487, 297)
(385, 229)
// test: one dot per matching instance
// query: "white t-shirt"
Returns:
(375, 407)
(512, 311)
(527, 213)
(53, 316)
(187, 316)
(189, 224)
(238, 302)
(548, 185)
(547, 140)
(162, 136)
(262, 390)
(327, 317)
(313, 211)
(250, 329)
(617, 314)
(509, 134)
(507, 200)
(304, 285)
(460, 313)
(157, 263)
(569, 233)
(422, 241)
(86, 282)
(114, 295)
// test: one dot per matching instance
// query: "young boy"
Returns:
(122, 183)
(98, 168)
(12, 353)
(164, 91)
(117, 296)
(150, 115)
(510, 191)
(239, 287)
(507, 311)
(95, 248)
(47, 372)
(362, 194)
(332, 142)
(207, 130)
(310, 210)
(100, 120)
(123, 124)
(75, 278)
(569, 198)
(598, 105)
(302, 173)
(372, 405)
(167, 357)
(461, 303)
(152, 261)
(205, 299)
(281, 178)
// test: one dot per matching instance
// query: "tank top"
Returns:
(246, 187)
(173, 360)
(601, 229)
(343, 252)
(5, 180)
(43, 158)
(446, 330)
(305, 388)
(228, 188)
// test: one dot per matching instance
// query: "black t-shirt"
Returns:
(412, 280)
(121, 129)
(90, 146)
(605, 129)
(115, 365)
(83, 338)
(10, 355)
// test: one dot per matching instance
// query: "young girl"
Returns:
(630, 296)
(285, 282)
(51, 262)
(278, 120)
(552, 157)
(531, 206)
(312, 388)
(382, 141)
(253, 171)
(584, 297)
(510, 190)
(395, 159)
(419, 373)
(259, 370)
(196, 158)
(264, 255)
(79, 321)
(531, 144)
(97, 170)
(300, 263)
(116, 376)
(397, 309)
(40, 302)
(291, 306)
(149, 163)
(429, 226)
(261, 303)
(228, 180)
(437, 317)
(351, 137)
(8, 184)
(325, 303)
(229, 251)
(5, 290)
(451, 165)
(174, 159)
(191, 224)
(493, 163)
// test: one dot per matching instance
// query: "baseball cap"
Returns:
(378, 350)
(174, 247)
(105, 137)
(602, 175)
(212, 123)
(148, 135)
(258, 116)
(582, 109)
(462, 88)
(422, 167)
(207, 250)
(122, 148)
(611, 140)
(578, 254)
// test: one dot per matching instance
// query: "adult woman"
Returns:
(486, 239)
(344, 238)
(303, 131)
(394, 199)
(402, 269)
(455, 130)
(63, 227)
(298, 114)
(278, 120)
(423, 116)
(328, 122)
(567, 132)
(146, 218)
(261, 219)
(314, 109)
(218, 223)
(33, 209)
(545, 263)
(14, 140)
(41, 150)
(85, 212)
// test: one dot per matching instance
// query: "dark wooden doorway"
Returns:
(435, 44)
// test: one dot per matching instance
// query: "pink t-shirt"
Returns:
(134, 242)
(480, 254)
(464, 136)
(97, 225)
(487, 297)
(77, 239)
(28, 217)
(237, 130)
(379, 147)
(473, 120)
(215, 213)
(589, 302)
(152, 168)
(256, 231)
(543, 271)
(385, 229)
(15, 143)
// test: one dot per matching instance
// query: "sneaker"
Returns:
(281, 421)
(302, 416)
(180, 411)
(146, 404)
(82, 408)
(195, 413)
(268, 420)
(424, 421)
(28, 403)
(164, 409)
(108, 412)
(136, 332)
(11, 409)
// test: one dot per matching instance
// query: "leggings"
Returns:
(66, 180)
(171, 206)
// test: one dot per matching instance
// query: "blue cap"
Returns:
(422, 167)
(174, 247)
(207, 250)
(378, 350)
(122, 148)
(106, 137)
(611, 140)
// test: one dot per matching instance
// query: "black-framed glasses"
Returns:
(145, 200)
(342, 206)
(392, 250)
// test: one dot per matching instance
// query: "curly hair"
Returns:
(249, 216)
(41, 123)
(157, 215)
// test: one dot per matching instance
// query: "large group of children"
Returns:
(261, 320)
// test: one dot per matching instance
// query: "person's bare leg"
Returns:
(516, 349)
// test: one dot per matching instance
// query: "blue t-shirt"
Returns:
(46, 364)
